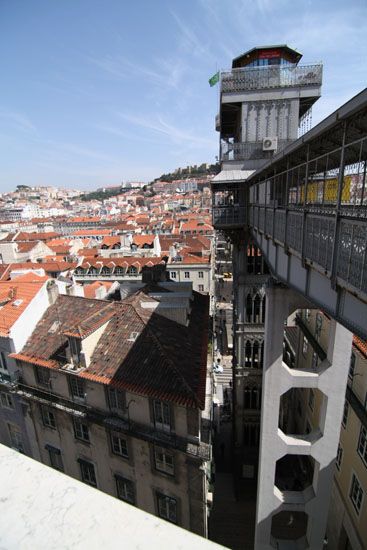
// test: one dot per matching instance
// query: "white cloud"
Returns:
(159, 125)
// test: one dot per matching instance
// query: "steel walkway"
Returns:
(307, 210)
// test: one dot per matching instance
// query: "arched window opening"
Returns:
(248, 355)
(249, 308)
(257, 304)
(255, 355)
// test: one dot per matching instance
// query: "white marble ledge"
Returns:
(41, 508)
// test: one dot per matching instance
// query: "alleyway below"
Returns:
(232, 519)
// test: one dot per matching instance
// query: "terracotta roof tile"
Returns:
(15, 297)
(139, 350)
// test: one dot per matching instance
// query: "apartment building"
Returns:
(191, 268)
(23, 301)
(114, 402)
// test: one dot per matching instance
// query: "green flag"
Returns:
(214, 79)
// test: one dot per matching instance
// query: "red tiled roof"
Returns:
(26, 247)
(110, 241)
(49, 267)
(15, 296)
(90, 290)
(125, 261)
(361, 345)
(140, 240)
(150, 363)
(191, 259)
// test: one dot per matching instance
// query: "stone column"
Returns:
(321, 445)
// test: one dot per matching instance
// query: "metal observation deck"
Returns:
(262, 78)
(307, 210)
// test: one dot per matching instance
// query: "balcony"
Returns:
(74, 515)
(107, 419)
(249, 150)
(262, 78)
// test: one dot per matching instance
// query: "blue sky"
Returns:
(93, 92)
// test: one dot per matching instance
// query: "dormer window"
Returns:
(75, 348)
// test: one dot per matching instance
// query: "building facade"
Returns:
(112, 402)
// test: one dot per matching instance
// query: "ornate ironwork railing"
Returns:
(276, 76)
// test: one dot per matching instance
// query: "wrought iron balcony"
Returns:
(110, 420)
(276, 76)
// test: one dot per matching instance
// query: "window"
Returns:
(119, 445)
(173, 274)
(187, 274)
(16, 437)
(251, 434)
(311, 399)
(125, 489)
(6, 400)
(345, 415)
(48, 417)
(362, 444)
(318, 325)
(201, 288)
(162, 417)
(116, 400)
(75, 346)
(87, 472)
(42, 376)
(167, 507)
(55, 458)
(77, 388)
(201, 274)
(252, 398)
(315, 360)
(163, 461)
(308, 314)
(339, 457)
(352, 366)
(81, 430)
(3, 363)
(356, 494)
(304, 346)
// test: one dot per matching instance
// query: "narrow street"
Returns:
(232, 520)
